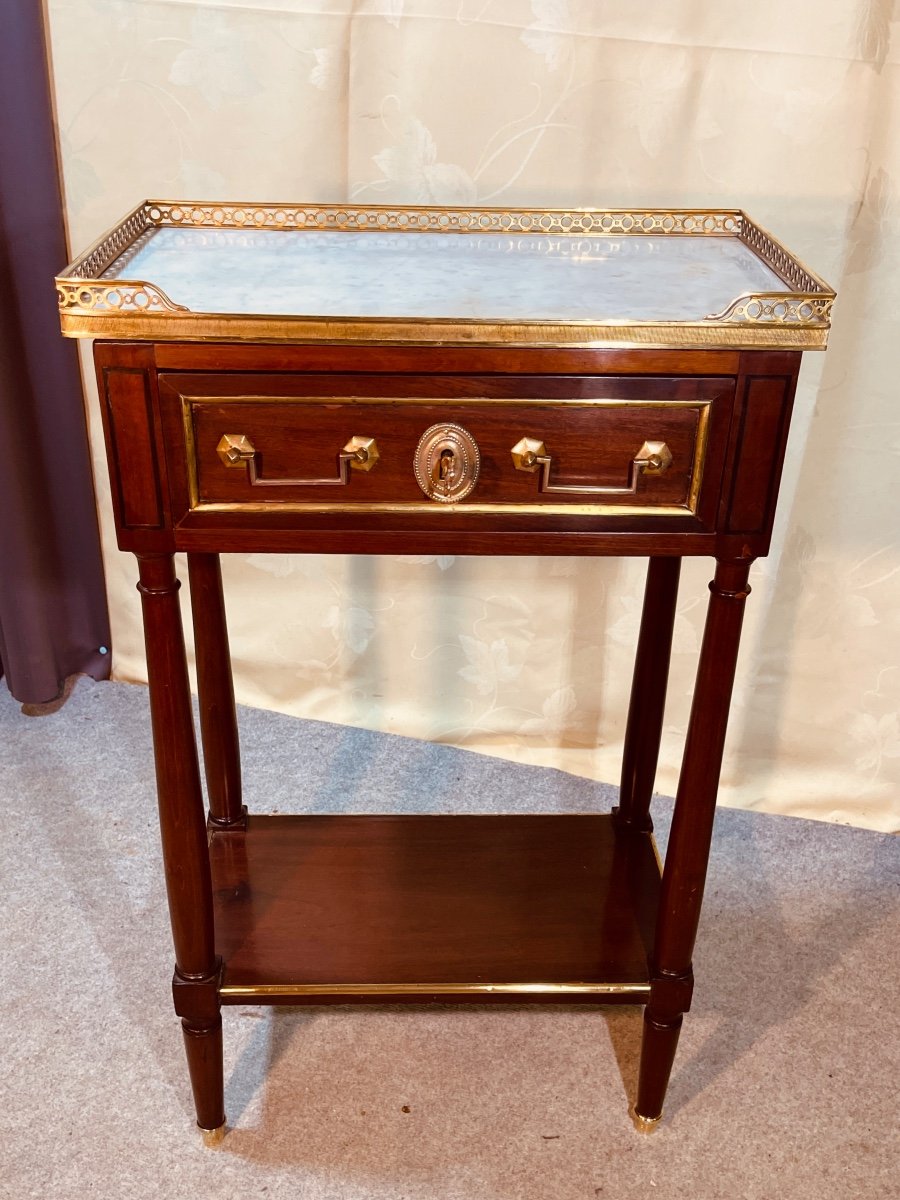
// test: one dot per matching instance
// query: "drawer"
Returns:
(436, 444)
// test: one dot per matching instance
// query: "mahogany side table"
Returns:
(379, 380)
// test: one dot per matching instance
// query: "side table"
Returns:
(460, 381)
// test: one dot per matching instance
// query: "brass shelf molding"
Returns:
(237, 992)
(94, 304)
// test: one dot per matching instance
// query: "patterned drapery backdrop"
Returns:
(789, 111)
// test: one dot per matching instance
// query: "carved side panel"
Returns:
(133, 463)
(764, 416)
(126, 382)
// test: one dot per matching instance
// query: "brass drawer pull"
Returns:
(236, 449)
(529, 454)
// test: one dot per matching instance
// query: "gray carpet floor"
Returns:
(786, 1083)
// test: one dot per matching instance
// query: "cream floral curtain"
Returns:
(788, 110)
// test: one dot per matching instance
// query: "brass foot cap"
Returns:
(644, 1124)
(213, 1137)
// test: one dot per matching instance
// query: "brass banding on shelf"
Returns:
(436, 989)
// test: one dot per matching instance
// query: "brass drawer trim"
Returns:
(702, 408)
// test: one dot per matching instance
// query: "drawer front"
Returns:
(367, 444)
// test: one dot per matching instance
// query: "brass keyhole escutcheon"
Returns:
(446, 463)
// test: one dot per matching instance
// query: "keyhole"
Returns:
(447, 470)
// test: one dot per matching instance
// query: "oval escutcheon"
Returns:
(446, 463)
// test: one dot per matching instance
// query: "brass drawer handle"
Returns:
(236, 449)
(529, 454)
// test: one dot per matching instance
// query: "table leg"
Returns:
(218, 718)
(687, 856)
(648, 694)
(184, 837)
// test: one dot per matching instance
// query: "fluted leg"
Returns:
(687, 856)
(203, 1047)
(184, 838)
(218, 719)
(648, 694)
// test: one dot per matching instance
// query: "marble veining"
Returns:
(480, 276)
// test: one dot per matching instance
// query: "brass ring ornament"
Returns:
(447, 462)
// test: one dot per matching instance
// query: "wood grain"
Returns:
(463, 360)
(129, 424)
(433, 899)
(687, 855)
(442, 903)
(218, 716)
(648, 693)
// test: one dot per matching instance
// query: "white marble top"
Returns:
(472, 276)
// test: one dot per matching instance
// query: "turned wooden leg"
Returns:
(184, 837)
(648, 694)
(218, 718)
(203, 1047)
(687, 855)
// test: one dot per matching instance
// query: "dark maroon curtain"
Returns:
(53, 615)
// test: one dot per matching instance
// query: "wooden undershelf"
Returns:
(325, 909)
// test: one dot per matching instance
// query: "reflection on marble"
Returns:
(480, 276)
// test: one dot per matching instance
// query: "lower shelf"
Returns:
(343, 909)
